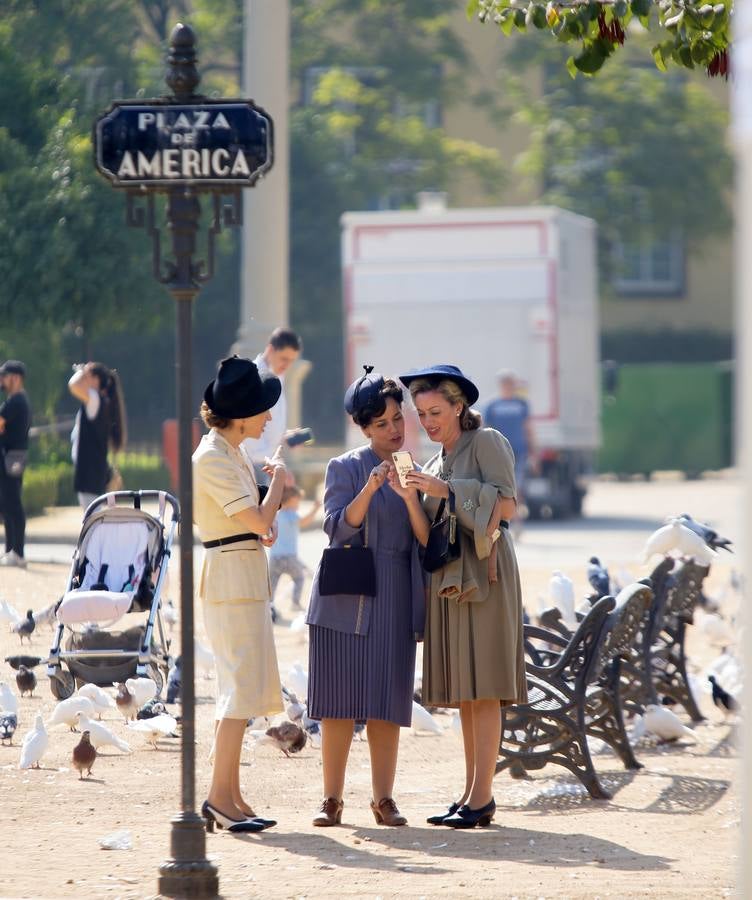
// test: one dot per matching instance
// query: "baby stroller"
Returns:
(119, 566)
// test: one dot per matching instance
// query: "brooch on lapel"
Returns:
(468, 505)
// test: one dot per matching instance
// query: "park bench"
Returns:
(551, 727)
(657, 665)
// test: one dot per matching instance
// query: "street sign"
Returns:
(209, 143)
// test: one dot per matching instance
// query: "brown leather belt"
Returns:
(233, 539)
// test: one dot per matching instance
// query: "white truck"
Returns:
(485, 289)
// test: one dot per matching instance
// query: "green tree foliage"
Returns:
(372, 78)
(694, 33)
(640, 152)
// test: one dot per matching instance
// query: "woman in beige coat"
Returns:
(235, 524)
(473, 654)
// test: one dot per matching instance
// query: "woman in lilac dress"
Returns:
(362, 649)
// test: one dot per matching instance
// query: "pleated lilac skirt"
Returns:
(368, 676)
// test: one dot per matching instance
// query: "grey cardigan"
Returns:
(346, 476)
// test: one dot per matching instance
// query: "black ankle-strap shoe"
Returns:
(440, 818)
(469, 818)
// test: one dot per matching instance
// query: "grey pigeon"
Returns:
(26, 626)
(598, 577)
(21, 659)
(708, 534)
(84, 755)
(287, 737)
(26, 681)
(151, 710)
(8, 725)
(174, 681)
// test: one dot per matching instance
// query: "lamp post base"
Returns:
(188, 873)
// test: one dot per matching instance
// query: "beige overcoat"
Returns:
(474, 646)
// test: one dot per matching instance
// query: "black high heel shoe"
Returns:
(441, 818)
(469, 818)
(214, 817)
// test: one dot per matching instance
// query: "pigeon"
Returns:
(26, 681)
(126, 702)
(174, 681)
(46, 616)
(708, 534)
(297, 679)
(722, 699)
(299, 627)
(21, 659)
(359, 730)
(598, 577)
(151, 709)
(8, 700)
(8, 725)
(34, 745)
(422, 720)
(660, 721)
(163, 725)
(9, 613)
(456, 725)
(295, 709)
(287, 737)
(312, 728)
(715, 629)
(101, 699)
(25, 627)
(143, 689)
(84, 755)
(562, 594)
(66, 712)
(204, 659)
(675, 536)
(170, 614)
(100, 735)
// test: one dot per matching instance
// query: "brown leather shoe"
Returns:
(330, 813)
(386, 813)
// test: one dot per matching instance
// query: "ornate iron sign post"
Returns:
(184, 146)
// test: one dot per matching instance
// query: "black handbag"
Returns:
(443, 538)
(348, 570)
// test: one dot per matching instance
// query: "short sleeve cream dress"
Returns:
(234, 584)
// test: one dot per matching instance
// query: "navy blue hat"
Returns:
(240, 390)
(435, 374)
(363, 391)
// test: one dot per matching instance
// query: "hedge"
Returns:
(52, 484)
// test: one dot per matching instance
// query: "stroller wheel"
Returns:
(62, 684)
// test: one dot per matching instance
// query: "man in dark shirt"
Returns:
(510, 415)
(15, 419)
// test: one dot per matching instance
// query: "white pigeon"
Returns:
(34, 745)
(8, 700)
(561, 590)
(100, 735)
(101, 699)
(422, 720)
(660, 721)
(298, 625)
(9, 613)
(297, 681)
(143, 690)
(160, 726)
(715, 629)
(675, 536)
(66, 711)
(203, 659)
(46, 616)
(170, 614)
(456, 725)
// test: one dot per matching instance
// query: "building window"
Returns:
(650, 267)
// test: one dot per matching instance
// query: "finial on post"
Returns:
(182, 76)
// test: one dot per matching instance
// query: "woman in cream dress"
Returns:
(233, 523)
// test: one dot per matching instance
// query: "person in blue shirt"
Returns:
(509, 414)
(283, 554)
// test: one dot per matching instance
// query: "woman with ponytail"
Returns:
(100, 427)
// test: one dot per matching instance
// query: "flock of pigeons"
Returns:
(145, 714)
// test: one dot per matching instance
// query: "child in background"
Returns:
(283, 555)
